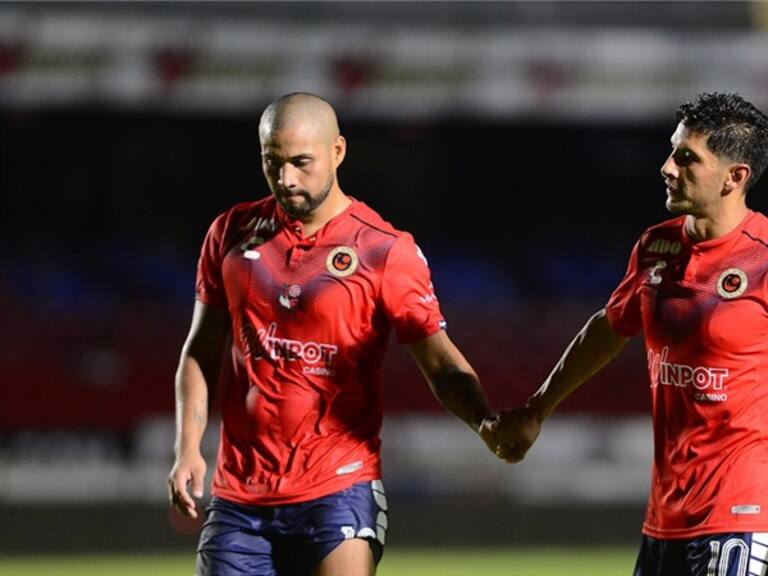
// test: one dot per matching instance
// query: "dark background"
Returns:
(103, 214)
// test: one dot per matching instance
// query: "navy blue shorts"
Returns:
(237, 539)
(730, 554)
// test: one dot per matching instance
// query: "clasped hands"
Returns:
(511, 433)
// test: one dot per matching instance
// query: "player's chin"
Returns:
(296, 206)
(677, 205)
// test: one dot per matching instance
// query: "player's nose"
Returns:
(287, 178)
(669, 168)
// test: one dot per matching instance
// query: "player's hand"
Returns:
(487, 431)
(515, 433)
(189, 469)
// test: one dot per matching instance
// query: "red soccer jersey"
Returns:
(311, 316)
(703, 310)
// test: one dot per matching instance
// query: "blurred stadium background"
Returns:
(519, 142)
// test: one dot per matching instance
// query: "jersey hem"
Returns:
(696, 532)
(296, 498)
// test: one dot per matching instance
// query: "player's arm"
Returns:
(195, 378)
(596, 344)
(590, 351)
(455, 383)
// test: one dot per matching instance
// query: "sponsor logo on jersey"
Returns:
(342, 261)
(745, 509)
(653, 276)
(256, 225)
(366, 533)
(289, 298)
(349, 468)
(732, 283)
(708, 382)
(263, 343)
(664, 246)
(248, 246)
(426, 299)
(420, 254)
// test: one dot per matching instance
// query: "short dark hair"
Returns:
(737, 129)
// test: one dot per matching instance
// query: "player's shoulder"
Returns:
(372, 222)
(664, 237)
(671, 226)
(756, 228)
(242, 215)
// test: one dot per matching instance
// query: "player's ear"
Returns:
(738, 176)
(339, 150)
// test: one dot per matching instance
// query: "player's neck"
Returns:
(334, 204)
(709, 227)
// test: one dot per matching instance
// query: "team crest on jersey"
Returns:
(342, 261)
(732, 283)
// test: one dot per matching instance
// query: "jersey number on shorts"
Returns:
(720, 558)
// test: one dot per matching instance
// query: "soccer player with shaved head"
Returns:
(697, 289)
(298, 293)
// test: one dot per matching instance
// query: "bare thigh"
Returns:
(350, 558)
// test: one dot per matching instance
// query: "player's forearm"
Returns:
(461, 393)
(593, 348)
(191, 405)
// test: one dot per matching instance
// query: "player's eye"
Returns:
(684, 156)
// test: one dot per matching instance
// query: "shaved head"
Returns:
(301, 148)
(300, 111)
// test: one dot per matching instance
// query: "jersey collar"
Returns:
(295, 227)
(720, 242)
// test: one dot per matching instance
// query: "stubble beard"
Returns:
(679, 205)
(310, 202)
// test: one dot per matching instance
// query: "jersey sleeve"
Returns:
(623, 307)
(407, 293)
(210, 286)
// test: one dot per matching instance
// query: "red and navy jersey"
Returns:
(703, 310)
(311, 316)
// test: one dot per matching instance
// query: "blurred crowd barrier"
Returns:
(222, 62)
(583, 483)
(577, 460)
(88, 416)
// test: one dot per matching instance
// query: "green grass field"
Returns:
(434, 562)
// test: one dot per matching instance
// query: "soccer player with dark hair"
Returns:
(298, 292)
(697, 289)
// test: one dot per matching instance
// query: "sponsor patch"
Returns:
(746, 509)
(349, 468)
(732, 283)
(342, 261)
